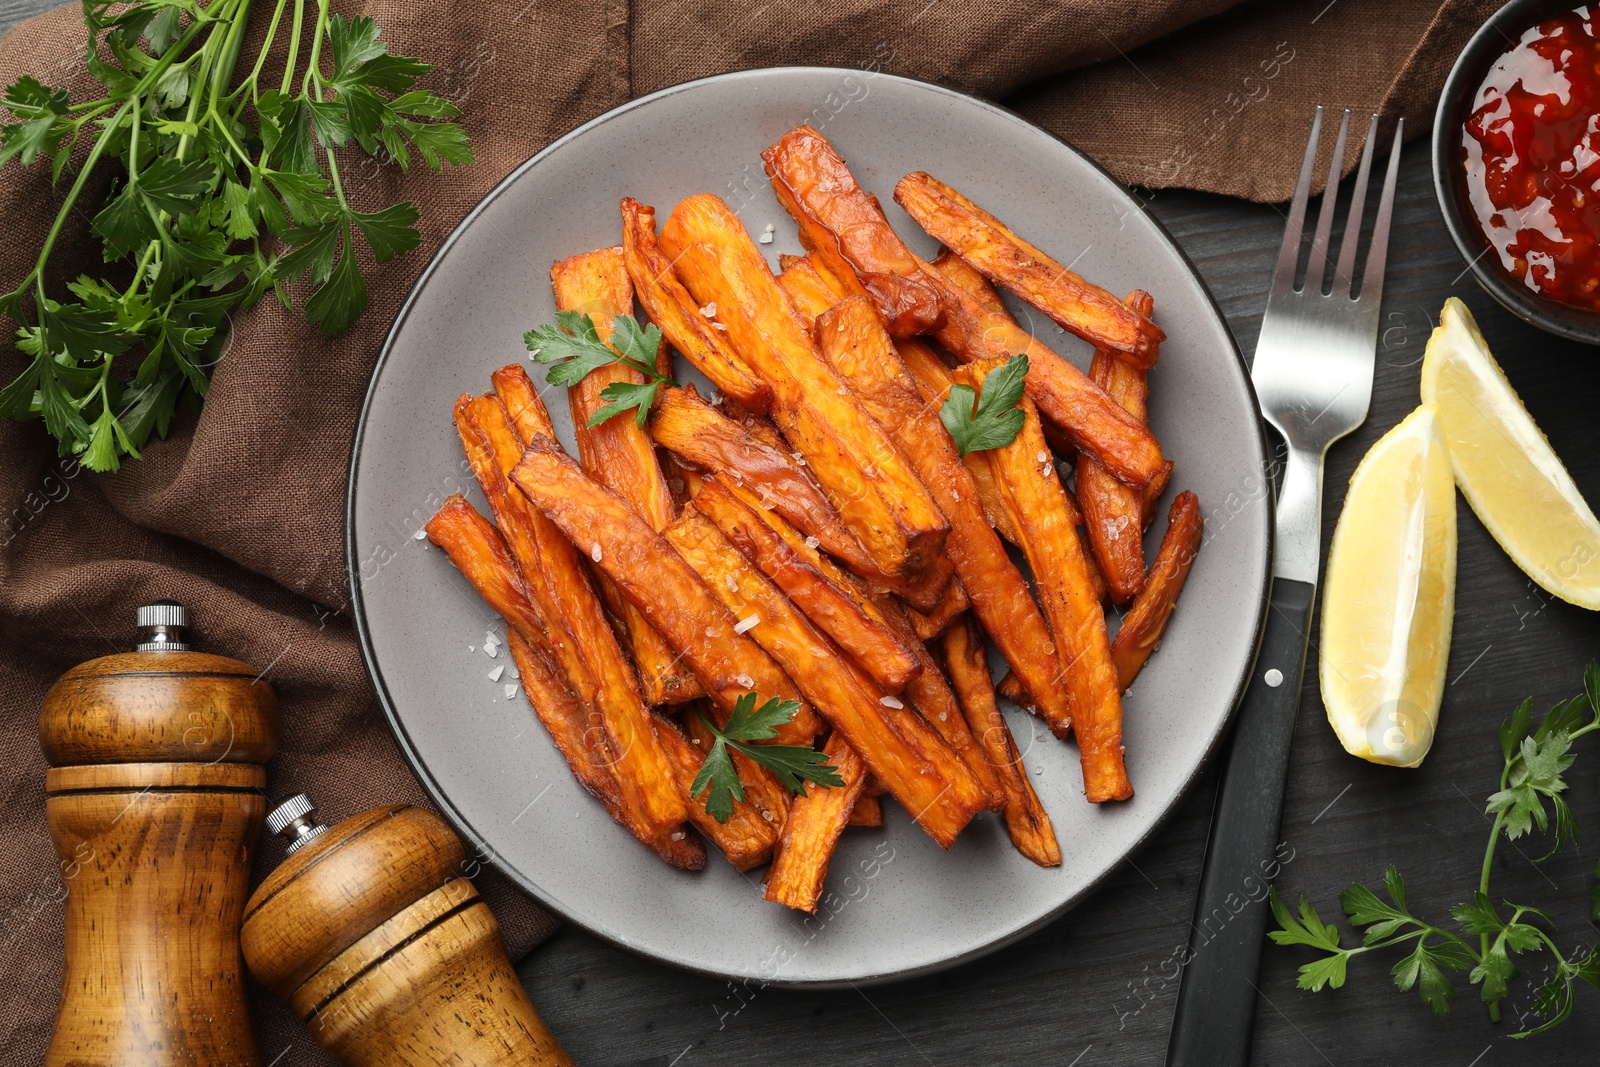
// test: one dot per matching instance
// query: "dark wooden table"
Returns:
(1098, 987)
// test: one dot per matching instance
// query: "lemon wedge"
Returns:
(1505, 467)
(1389, 595)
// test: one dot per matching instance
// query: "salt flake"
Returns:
(890, 702)
(746, 625)
(594, 553)
(494, 675)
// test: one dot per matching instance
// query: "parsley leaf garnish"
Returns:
(794, 765)
(1530, 797)
(209, 164)
(572, 347)
(990, 419)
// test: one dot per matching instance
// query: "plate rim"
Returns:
(480, 846)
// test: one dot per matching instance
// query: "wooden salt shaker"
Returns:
(154, 798)
(379, 942)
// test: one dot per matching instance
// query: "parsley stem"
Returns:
(294, 47)
(72, 198)
(266, 46)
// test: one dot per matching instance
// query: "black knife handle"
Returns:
(1217, 995)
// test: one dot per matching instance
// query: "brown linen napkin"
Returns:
(240, 513)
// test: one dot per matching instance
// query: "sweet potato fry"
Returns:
(865, 476)
(931, 624)
(746, 839)
(704, 437)
(805, 847)
(867, 812)
(655, 579)
(930, 694)
(1077, 306)
(902, 750)
(671, 308)
(963, 274)
(1145, 622)
(1042, 515)
(1089, 417)
(481, 554)
(843, 226)
(586, 753)
(559, 591)
(1114, 513)
(989, 580)
(1026, 820)
(809, 292)
(619, 454)
(879, 651)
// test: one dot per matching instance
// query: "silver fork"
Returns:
(1313, 375)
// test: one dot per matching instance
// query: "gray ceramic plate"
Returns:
(899, 905)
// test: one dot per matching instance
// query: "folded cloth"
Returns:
(239, 514)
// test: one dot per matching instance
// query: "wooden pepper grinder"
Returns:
(154, 797)
(379, 942)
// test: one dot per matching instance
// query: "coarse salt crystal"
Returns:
(812, 542)
(764, 239)
(491, 651)
(711, 631)
(731, 582)
(677, 835)
(818, 651)
(1043, 456)
(770, 227)
(719, 326)
(767, 815)
(494, 675)
(745, 681)
(709, 310)
(514, 673)
(472, 648)
(594, 553)
(944, 716)
(511, 690)
(746, 625)
(420, 535)
(890, 702)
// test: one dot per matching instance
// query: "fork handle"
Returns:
(1217, 997)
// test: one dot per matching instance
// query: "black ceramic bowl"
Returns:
(1449, 176)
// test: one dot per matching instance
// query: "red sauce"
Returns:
(1532, 155)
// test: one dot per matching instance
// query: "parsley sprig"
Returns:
(1529, 797)
(794, 765)
(990, 419)
(211, 172)
(572, 347)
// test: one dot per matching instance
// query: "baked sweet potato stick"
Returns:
(930, 694)
(746, 839)
(481, 554)
(843, 226)
(989, 580)
(1145, 622)
(1113, 513)
(965, 275)
(811, 833)
(1032, 492)
(557, 588)
(657, 581)
(591, 766)
(928, 625)
(1078, 306)
(878, 650)
(671, 308)
(869, 482)
(1026, 820)
(902, 750)
(618, 452)
(809, 292)
(867, 812)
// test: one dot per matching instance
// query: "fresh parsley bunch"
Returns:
(224, 187)
(1530, 795)
(795, 765)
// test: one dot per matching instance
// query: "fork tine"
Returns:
(1317, 264)
(1289, 254)
(1344, 273)
(1372, 281)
